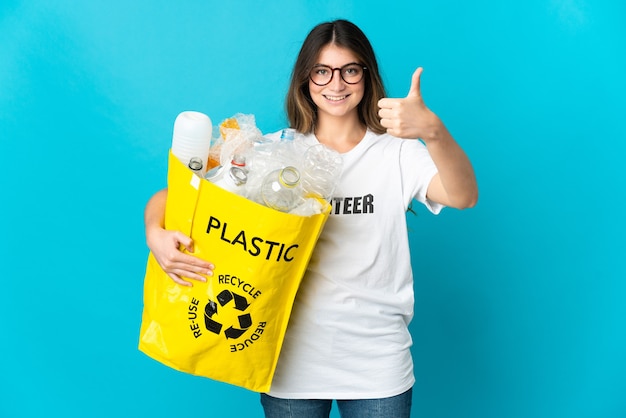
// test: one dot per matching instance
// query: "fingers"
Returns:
(195, 265)
(406, 117)
(178, 259)
(387, 103)
(386, 113)
(183, 240)
(168, 249)
(178, 280)
(178, 272)
(179, 265)
(178, 277)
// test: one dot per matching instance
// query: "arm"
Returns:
(165, 245)
(455, 184)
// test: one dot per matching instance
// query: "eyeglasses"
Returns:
(350, 73)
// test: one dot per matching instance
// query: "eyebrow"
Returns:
(330, 66)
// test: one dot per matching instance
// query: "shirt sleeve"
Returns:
(417, 170)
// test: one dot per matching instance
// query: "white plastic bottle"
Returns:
(192, 137)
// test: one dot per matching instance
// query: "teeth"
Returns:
(335, 98)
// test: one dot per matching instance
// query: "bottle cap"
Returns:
(238, 175)
(239, 160)
(192, 124)
(195, 164)
(289, 176)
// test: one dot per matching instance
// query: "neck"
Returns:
(339, 133)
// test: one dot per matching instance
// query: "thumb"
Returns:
(184, 240)
(415, 91)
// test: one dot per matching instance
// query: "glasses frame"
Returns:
(332, 73)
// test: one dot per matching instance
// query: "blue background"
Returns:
(520, 302)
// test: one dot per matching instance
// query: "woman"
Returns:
(348, 336)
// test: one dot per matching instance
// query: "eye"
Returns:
(352, 70)
(321, 70)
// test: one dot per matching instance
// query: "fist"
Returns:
(409, 117)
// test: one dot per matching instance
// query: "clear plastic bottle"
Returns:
(215, 173)
(288, 134)
(239, 160)
(231, 178)
(285, 152)
(321, 169)
(195, 165)
(281, 189)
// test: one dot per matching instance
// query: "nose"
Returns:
(337, 83)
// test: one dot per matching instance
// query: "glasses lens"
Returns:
(323, 74)
(352, 73)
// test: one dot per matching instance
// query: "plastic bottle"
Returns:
(232, 177)
(281, 189)
(288, 134)
(195, 165)
(192, 137)
(321, 169)
(239, 160)
(234, 180)
(285, 152)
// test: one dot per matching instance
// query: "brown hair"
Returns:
(301, 110)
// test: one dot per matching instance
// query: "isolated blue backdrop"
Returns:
(520, 302)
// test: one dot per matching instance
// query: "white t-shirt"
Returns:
(348, 334)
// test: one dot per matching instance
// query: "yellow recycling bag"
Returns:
(230, 328)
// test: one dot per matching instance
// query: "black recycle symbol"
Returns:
(240, 303)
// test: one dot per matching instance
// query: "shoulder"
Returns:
(388, 141)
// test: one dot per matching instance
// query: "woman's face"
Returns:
(337, 98)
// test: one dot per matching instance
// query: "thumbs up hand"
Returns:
(409, 117)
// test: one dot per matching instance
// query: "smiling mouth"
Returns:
(335, 98)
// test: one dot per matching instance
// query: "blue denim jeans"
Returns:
(394, 407)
